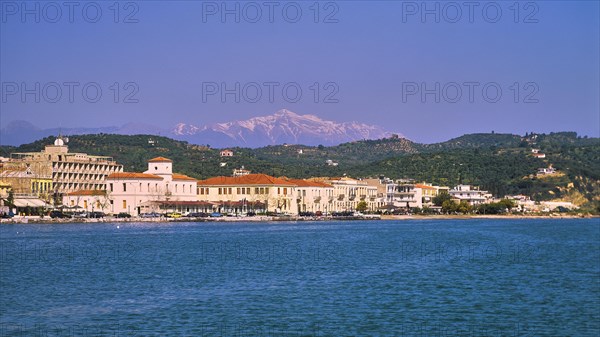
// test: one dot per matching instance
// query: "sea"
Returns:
(468, 277)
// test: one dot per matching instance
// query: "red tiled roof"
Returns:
(160, 160)
(427, 187)
(307, 183)
(177, 176)
(249, 179)
(87, 193)
(133, 175)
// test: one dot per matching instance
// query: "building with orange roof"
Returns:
(349, 192)
(226, 153)
(313, 196)
(140, 192)
(276, 194)
(90, 200)
(160, 160)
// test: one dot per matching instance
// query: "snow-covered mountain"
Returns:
(282, 127)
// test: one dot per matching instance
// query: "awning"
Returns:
(30, 202)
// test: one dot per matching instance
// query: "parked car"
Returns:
(123, 215)
(150, 215)
(8, 215)
(174, 215)
(97, 215)
(319, 213)
(59, 215)
(197, 215)
(306, 214)
(216, 215)
(344, 213)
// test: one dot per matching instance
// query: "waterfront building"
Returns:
(251, 192)
(157, 189)
(471, 194)
(68, 171)
(25, 183)
(87, 200)
(407, 195)
(427, 192)
(348, 192)
(313, 196)
(385, 191)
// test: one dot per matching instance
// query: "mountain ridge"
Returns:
(284, 126)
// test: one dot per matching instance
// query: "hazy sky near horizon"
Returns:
(164, 62)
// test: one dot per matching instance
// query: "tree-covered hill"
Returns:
(500, 163)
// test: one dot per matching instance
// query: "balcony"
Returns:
(404, 194)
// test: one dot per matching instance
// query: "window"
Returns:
(285, 191)
(230, 190)
(278, 190)
(124, 187)
(124, 204)
(220, 192)
(256, 190)
(110, 187)
(239, 190)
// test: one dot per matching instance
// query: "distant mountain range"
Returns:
(284, 126)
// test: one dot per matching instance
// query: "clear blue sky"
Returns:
(372, 52)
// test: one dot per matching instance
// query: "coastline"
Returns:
(260, 219)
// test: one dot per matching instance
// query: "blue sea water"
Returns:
(373, 278)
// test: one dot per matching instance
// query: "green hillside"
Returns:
(500, 163)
